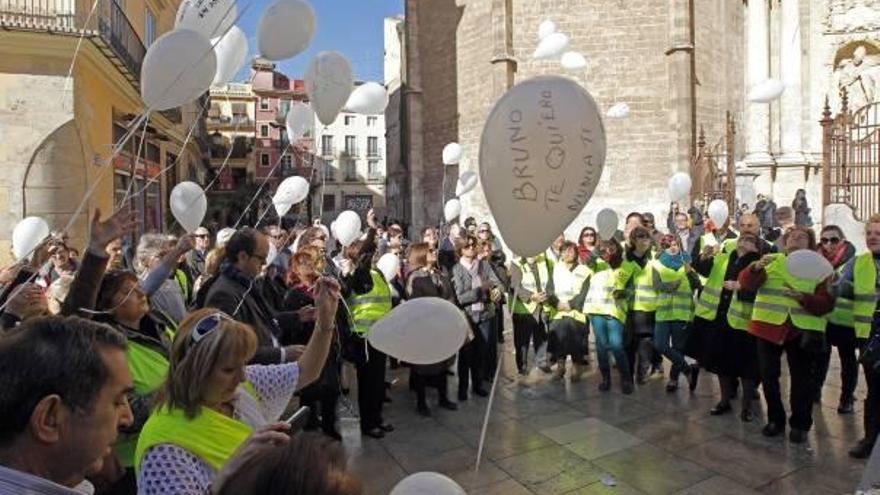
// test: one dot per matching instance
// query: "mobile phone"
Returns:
(298, 419)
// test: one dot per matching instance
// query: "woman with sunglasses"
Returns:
(840, 332)
(586, 243)
(642, 305)
(212, 401)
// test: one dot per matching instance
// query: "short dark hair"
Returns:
(51, 355)
(568, 245)
(111, 285)
(835, 228)
(635, 214)
(244, 240)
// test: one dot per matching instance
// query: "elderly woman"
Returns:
(156, 250)
(212, 402)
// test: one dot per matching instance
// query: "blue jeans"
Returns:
(678, 331)
(609, 338)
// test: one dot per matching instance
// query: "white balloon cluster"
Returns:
(552, 44)
(466, 183)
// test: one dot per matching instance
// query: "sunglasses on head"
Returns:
(207, 325)
(829, 240)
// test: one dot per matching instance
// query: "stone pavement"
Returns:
(549, 437)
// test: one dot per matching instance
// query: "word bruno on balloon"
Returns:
(524, 170)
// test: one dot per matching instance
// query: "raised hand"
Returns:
(326, 301)
(104, 232)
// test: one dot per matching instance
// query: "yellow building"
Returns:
(57, 133)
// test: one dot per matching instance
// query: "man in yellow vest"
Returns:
(531, 309)
(859, 283)
(788, 317)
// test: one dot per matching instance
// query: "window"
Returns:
(153, 154)
(264, 159)
(149, 27)
(329, 171)
(349, 120)
(326, 145)
(329, 202)
(264, 103)
(264, 130)
(373, 171)
(351, 145)
(120, 187)
(284, 107)
(372, 146)
(371, 121)
(350, 170)
(286, 160)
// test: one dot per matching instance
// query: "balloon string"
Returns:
(79, 43)
(492, 392)
(260, 189)
(323, 182)
(231, 147)
(137, 161)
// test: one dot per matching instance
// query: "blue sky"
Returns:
(352, 27)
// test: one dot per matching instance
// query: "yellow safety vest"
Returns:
(367, 309)
(643, 296)
(739, 313)
(842, 314)
(679, 304)
(865, 289)
(710, 297)
(774, 307)
(530, 283)
(183, 283)
(600, 296)
(567, 285)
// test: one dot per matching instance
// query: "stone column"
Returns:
(413, 100)
(791, 140)
(758, 70)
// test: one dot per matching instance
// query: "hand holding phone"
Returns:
(297, 420)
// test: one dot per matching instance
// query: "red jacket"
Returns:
(818, 303)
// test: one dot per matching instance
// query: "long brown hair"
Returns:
(418, 255)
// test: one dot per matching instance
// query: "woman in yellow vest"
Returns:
(530, 278)
(606, 306)
(859, 283)
(212, 402)
(788, 317)
(568, 326)
(674, 281)
(639, 339)
(721, 320)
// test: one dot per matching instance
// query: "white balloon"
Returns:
(426, 330)
(329, 82)
(224, 235)
(573, 61)
(452, 209)
(27, 235)
(766, 91)
(389, 265)
(679, 186)
(291, 191)
(188, 205)
(231, 51)
(606, 223)
(285, 29)
(348, 227)
(551, 47)
(808, 265)
(210, 18)
(541, 157)
(618, 111)
(368, 98)
(300, 122)
(178, 68)
(466, 183)
(545, 29)
(718, 212)
(451, 154)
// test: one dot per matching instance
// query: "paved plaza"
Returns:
(549, 437)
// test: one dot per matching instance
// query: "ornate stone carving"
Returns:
(846, 16)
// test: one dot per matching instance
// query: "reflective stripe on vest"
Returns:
(369, 308)
(739, 314)
(773, 306)
(710, 297)
(531, 284)
(600, 296)
(865, 289)
(679, 304)
(567, 284)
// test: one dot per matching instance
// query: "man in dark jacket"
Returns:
(235, 292)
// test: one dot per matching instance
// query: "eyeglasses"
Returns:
(207, 325)
(829, 240)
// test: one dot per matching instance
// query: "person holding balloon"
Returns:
(568, 325)
(788, 316)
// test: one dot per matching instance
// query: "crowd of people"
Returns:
(169, 369)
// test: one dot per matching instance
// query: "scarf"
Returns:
(674, 261)
(836, 255)
(584, 252)
(476, 281)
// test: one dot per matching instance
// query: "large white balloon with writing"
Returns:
(541, 157)
(210, 18)
(426, 330)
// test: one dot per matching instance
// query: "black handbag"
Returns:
(870, 355)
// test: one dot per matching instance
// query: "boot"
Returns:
(626, 383)
(605, 384)
(559, 374)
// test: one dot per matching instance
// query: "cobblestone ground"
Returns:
(560, 437)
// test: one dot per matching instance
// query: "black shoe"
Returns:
(640, 376)
(462, 396)
(671, 385)
(448, 405)
(333, 434)
(374, 433)
(862, 450)
(797, 436)
(693, 376)
(481, 392)
(546, 369)
(627, 387)
(846, 405)
(423, 410)
(387, 427)
(722, 407)
(605, 384)
(773, 430)
(746, 416)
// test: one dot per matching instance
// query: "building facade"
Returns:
(58, 132)
(679, 65)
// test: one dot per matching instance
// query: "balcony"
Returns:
(374, 153)
(109, 28)
(227, 122)
(327, 151)
(349, 152)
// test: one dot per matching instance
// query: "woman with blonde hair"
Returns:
(212, 402)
